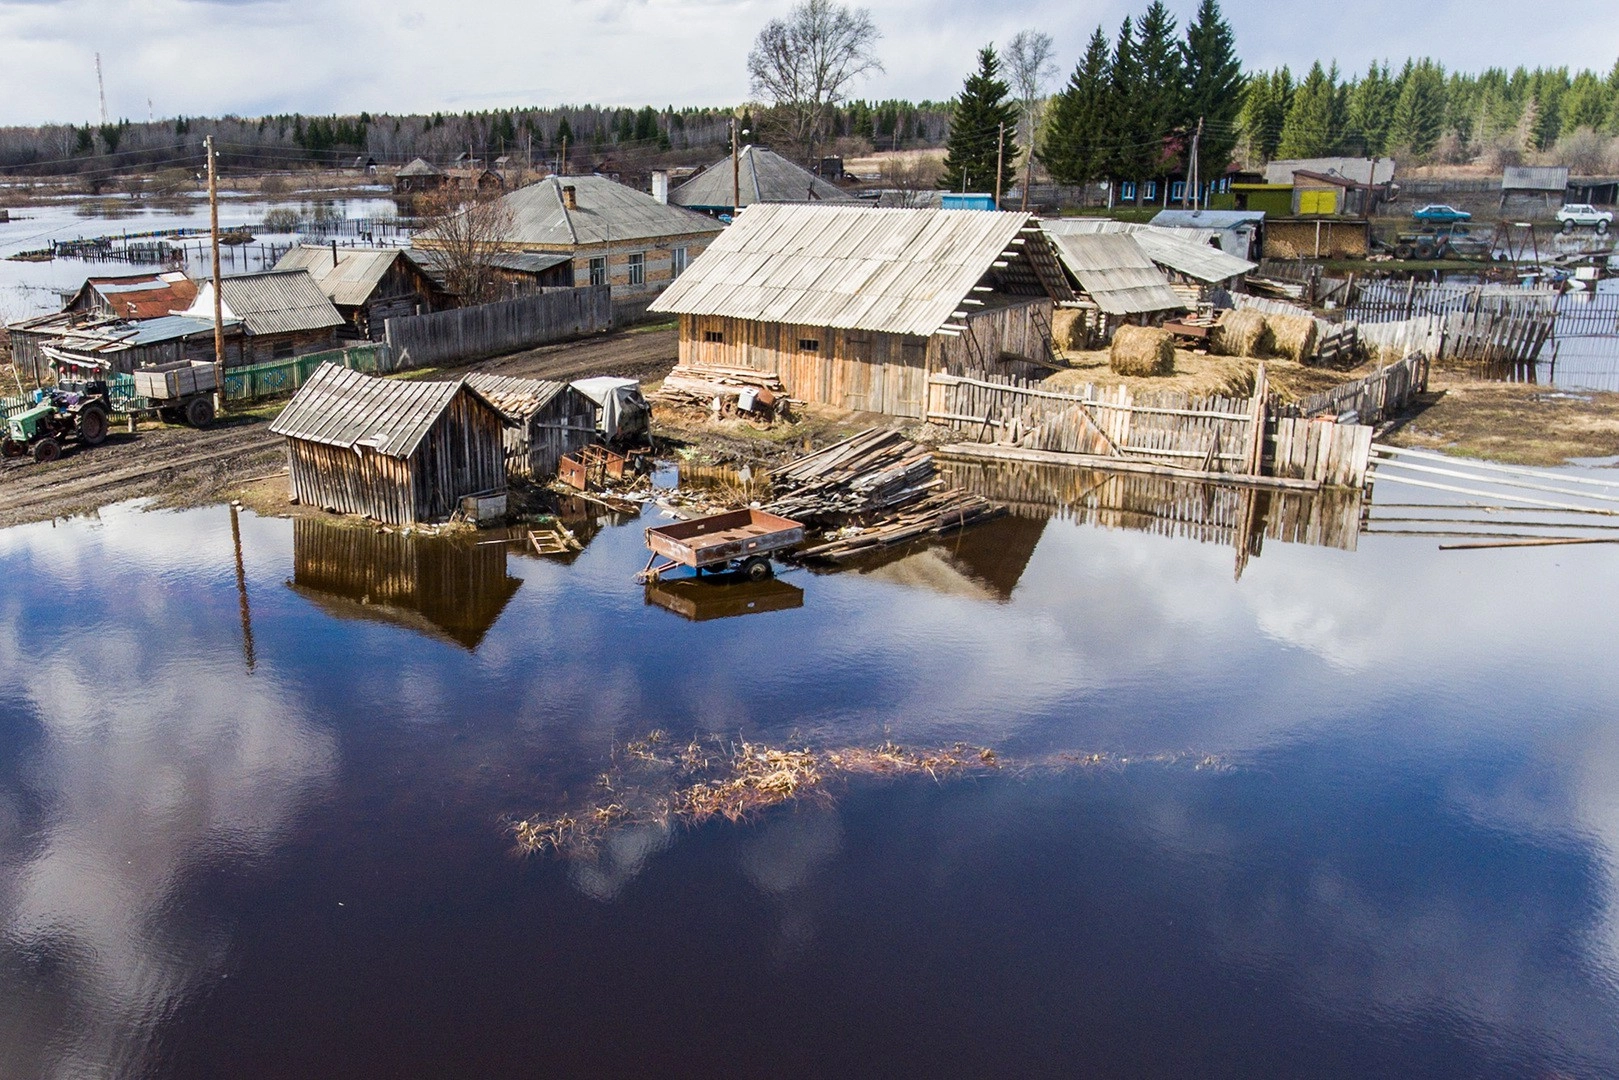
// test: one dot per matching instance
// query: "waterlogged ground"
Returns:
(1355, 813)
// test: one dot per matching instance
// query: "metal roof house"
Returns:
(1544, 182)
(614, 235)
(368, 287)
(136, 296)
(760, 176)
(857, 306)
(397, 452)
(547, 420)
(1240, 231)
(283, 313)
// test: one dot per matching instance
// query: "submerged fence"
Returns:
(464, 334)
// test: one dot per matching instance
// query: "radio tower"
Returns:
(101, 87)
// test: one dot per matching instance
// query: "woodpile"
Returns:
(874, 471)
(738, 390)
(936, 514)
(1142, 350)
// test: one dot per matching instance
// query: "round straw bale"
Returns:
(1240, 333)
(1142, 350)
(1068, 330)
(1292, 336)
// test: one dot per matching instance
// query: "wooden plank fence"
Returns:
(1373, 399)
(471, 333)
(1386, 301)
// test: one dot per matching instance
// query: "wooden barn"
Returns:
(546, 421)
(856, 306)
(135, 296)
(283, 313)
(369, 286)
(397, 452)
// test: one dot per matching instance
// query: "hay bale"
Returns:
(1068, 331)
(1240, 333)
(1292, 336)
(1142, 350)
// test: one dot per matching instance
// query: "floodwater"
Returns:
(253, 809)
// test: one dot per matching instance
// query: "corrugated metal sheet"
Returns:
(849, 267)
(605, 212)
(142, 296)
(526, 262)
(1186, 251)
(350, 279)
(763, 176)
(270, 302)
(1207, 219)
(1550, 178)
(516, 398)
(1116, 273)
(348, 409)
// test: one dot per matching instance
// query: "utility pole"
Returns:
(1190, 194)
(736, 171)
(562, 162)
(1000, 159)
(219, 300)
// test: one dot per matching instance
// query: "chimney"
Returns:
(570, 197)
(660, 185)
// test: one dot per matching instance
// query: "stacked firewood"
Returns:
(875, 489)
(759, 393)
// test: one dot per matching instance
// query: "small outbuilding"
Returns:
(759, 176)
(283, 313)
(419, 176)
(1240, 231)
(1190, 257)
(135, 296)
(400, 452)
(546, 421)
(368, 286)
(1544, 182)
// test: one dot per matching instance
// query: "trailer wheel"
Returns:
(47, 450)
(757, 568)
(1402, 251)
(93, 426)
(199, 412)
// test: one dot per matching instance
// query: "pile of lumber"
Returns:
(731, 387)
(935, 514)
(868, 474)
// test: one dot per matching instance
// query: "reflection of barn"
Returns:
(985, 562)
(547, 420)
(441, 588)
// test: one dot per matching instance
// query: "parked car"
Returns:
(1440, 212)
(1574, 215)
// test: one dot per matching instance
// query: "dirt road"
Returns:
(179, 466)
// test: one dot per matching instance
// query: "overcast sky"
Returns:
(250, 57)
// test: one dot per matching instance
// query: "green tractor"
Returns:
(76, 412)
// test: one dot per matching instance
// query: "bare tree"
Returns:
(461, 233)
(804, 64)
(1029, 66)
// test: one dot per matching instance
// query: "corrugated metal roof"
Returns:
(605, 212)
(852, 267)
(1186, 251)
(761, 176)
(270, 302)
(517, 398)
(350, 279)
(143, 296)
(1207, 219)
(340, 407)
(526, 262)
(1116, 273)
(1534, 178)
(1359, 169)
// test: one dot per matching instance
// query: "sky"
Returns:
(253, 57)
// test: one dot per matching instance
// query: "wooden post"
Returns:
(1000, 156)
(736, 171)
(1256, 449)
(219, 300)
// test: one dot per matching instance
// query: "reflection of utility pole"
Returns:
(219, 300)
(241, 590)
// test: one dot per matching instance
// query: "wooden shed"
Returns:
(855, 306)
(399, 452)
(546, 420)
(368, 286)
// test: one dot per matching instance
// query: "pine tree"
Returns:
(1371, 110)
(1265, 102)
(1076, 144)
(1159, 92)
(1586, 104)
(1308, 129)
(977, 119)
(1124, 110)
(1419, 113)
(1213, 79)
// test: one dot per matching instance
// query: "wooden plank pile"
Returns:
(758, 393)
(882, 487)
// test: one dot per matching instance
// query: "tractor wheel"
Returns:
(47, 450)
(1402, 251)
(11, 449)
(757, 568)
(1424, 250)
(199, 412)
(93, 426)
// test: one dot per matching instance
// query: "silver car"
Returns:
(1574, 215)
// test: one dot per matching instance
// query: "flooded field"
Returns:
(1263, 797)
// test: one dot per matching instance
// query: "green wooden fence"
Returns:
(278, 378)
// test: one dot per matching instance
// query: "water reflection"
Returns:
(702, 599)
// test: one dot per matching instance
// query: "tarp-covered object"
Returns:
(625, 413)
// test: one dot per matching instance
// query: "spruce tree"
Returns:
(1213, 79)
(1125, 109)
(1419, 113)
(976, 122)
(1159, 77)
(1076, 143)
(1371, 110)
(1308, 129)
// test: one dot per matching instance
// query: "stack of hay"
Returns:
(1142, 350)
(1240, 333)
(1292, 336)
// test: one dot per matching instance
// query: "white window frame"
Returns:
(637, 268)
(598, 263)
(679, 259)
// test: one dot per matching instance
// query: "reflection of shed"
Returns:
(400, 452)
(985, 562)
(854, 306)
(548, 420)
(445, 589)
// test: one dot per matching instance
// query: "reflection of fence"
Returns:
(1588, 315)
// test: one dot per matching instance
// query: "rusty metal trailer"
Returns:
(735, 540)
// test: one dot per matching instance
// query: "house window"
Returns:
(809, 344)
(598, 270)
(714, 337)
(677, 262)
(1149, 190)
(281, 350)
(1177, 191)
(638, 268)
(1127, 190)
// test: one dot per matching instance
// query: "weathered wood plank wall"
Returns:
(471, 333)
